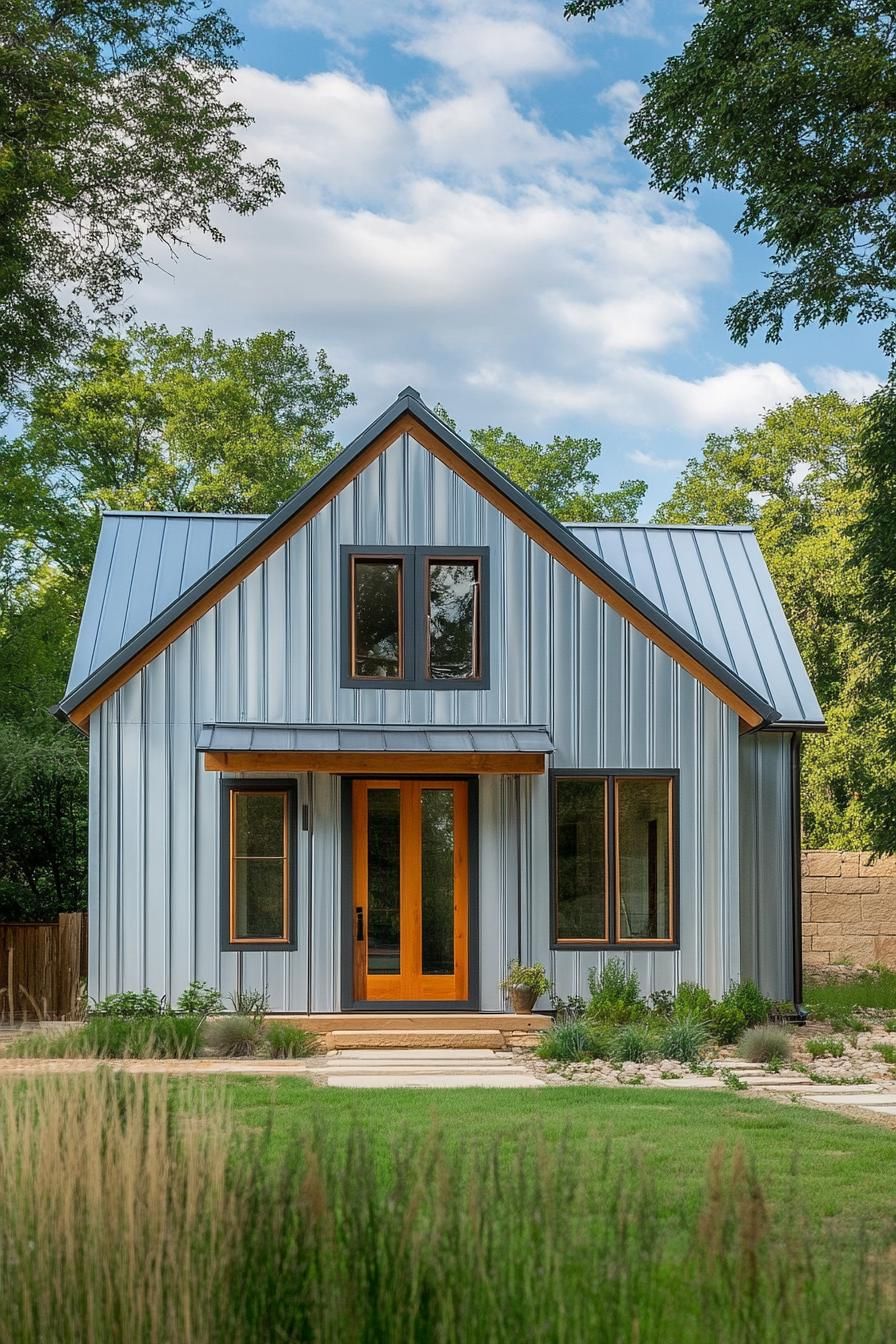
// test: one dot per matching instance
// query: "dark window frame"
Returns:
(415, 606)
(289, 787)
(612, 943)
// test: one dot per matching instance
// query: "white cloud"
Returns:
(459, 245)
(623, 97)
(642, 459)
(853, 384)
(475, 46)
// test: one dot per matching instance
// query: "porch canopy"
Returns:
(338, 749)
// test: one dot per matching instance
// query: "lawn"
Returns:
(137, 1210)
(871, 989)
(835, 1161)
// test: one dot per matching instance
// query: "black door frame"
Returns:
(349, 1003)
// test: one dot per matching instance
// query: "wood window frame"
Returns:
(613, 942)
(230, 791)
(413, 617)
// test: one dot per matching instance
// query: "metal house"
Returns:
(364, 751)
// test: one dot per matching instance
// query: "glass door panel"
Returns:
(384, 882)
(410, 890)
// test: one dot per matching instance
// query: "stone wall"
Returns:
(849, 908)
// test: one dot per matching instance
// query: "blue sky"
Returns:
(461, 214)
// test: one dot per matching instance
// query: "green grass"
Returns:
(837, 1161)
(871, 989)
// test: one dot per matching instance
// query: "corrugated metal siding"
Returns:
(766, 930)
(269, 652)
(715, 584)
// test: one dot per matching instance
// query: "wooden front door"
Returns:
(410, 908)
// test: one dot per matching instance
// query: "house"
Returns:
(364, 751)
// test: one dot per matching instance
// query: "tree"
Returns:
(164, 420)
(793, 480)
(150, 420)
(558, 476)
(115, 134)
(793, 106)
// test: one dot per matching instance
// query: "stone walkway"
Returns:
(440, 1068)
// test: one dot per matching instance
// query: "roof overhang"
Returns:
(341, 750)
(409, 415)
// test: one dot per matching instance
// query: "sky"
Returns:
(461, 214)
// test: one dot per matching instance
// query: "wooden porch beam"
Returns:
(378, 762)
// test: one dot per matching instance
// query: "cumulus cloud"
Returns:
(642, 459)
(458, 244)
(853, 384)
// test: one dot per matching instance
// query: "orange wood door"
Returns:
(410, 865)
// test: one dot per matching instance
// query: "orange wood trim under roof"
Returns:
(379, 762)
(408, 423)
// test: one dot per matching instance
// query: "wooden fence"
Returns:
(42, 967)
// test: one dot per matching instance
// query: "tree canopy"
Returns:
(153, 419)
(558, 476)
(792, 106)
(793, 480)
(116, 138)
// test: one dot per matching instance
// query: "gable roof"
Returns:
(93, 681)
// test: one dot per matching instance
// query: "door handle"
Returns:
(359, 927)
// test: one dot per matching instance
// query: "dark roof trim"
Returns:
(409, 401)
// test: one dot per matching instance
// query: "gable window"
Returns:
(452, 619)
(415, 617)
(613, 832)
(259, 895)
(377, 650)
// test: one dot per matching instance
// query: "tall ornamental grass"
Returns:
(134, 1211)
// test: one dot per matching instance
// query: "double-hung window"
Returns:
(259, 830)
(614, 855)
(415, 616)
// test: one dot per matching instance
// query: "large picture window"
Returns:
(259, 822)
(613, 832)
(415, 617)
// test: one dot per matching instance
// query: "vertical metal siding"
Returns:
(765, 859)
(270, 651)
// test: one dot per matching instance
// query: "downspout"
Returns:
(796, 844)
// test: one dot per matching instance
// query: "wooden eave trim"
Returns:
(407, 423)
(378, 762)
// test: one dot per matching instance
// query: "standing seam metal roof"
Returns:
(122, 616)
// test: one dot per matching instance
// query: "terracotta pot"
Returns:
(522, 1000)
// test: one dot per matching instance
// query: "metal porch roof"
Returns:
(351, 737)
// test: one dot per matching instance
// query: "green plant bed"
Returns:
(160, 1037)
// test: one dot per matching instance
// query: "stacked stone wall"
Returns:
(849, 909)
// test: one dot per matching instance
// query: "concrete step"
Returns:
(419, 1078)
(405, 1039)
(454, 1054)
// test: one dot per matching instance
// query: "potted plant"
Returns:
(524, 985)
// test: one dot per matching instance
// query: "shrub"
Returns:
(568, 1010)
(282, 1040)
(250, 1002)
(164, 1037)
(825, 1045)
(633, 1041)
(764, 1044)
(684, 1038)
(129, 1004)
(615, 994)
(568, 1042)
(200, 1000)
(234, 1035)
(662, 1002)
(692, 998)
(740, 1007)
